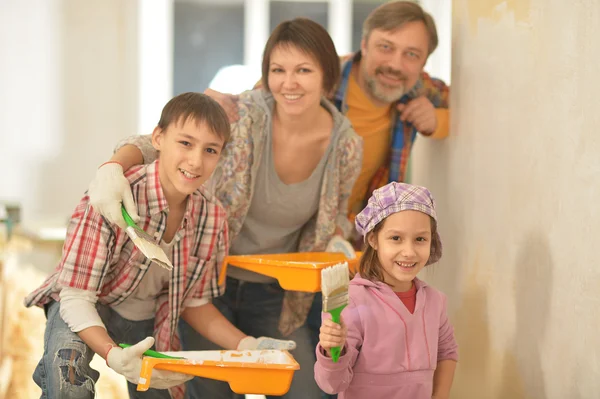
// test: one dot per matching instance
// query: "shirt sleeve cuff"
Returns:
(78, 309)
(443, 124)
(196, 302)
(328, 364)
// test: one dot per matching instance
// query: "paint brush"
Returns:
(152, 353)
(334, 286)
(145, 243)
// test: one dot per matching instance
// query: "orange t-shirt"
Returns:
(374, 125)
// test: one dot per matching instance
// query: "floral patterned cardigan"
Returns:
(233, 180)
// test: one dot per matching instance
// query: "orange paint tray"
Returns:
(259, 372)
(298, 271)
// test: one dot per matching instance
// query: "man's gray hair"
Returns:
(393, 15)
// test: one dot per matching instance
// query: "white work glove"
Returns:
(339, 244)
(261, 343)
(128, 363)
(108, 189)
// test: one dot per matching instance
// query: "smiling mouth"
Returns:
(389, 79)
(292, 97)
(188, 175)
(405, 265)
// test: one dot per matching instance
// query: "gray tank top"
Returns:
(277, 213)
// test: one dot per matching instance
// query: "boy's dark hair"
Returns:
(309, 37)
(200, 108)
(369, 267)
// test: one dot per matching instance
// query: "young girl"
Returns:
(396, 338)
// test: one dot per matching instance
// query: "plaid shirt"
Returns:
(100, 258)
(403, 134)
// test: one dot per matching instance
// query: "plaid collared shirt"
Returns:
(403, 134)
(100, 258)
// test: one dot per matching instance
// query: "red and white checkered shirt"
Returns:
(99, 257)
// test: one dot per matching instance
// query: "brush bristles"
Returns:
(335, 279)
(150, 249)
(335, 301)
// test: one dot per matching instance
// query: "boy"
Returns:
(104, 291)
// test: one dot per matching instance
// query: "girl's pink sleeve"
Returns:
(333, 377)
(447, 346)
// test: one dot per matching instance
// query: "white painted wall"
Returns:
(518, 188)
(72, 86)
(438, 64)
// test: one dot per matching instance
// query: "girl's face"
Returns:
(295, 80)
(403, 247)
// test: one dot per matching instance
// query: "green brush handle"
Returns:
(335, 316)
(152, 353)
(127, 218)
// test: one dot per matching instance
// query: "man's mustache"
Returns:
(390, 71)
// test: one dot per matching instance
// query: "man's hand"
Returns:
(421, 113)
(227, 101)
(261, 343)
(108, 189)
(128, 363)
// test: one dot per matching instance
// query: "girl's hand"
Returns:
(332, 335)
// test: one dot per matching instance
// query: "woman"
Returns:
(284, 179)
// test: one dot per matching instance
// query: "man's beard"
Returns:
(383, 92)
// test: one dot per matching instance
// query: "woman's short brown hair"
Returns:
(369, 267)
(393, 15)
(199, 107)
(309, 37)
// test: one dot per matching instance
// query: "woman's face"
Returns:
(295, 80)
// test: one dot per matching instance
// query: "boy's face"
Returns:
(189, 152)
(403, 247)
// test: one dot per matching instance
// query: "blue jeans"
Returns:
(253, 308)
(64, 370)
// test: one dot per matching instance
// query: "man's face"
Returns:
(392, 61)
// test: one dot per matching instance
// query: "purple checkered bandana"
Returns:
(396, 197)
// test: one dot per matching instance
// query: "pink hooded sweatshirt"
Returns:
(389, 352)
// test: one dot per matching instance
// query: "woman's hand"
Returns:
(332, 335)
(227, 101)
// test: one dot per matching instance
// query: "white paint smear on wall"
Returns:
(517, 185)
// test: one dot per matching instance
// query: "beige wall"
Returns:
(75, 77)
(518, 190)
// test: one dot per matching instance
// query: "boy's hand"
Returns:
(108, 189)
(128, 363)
(251, 343)
(332, 335)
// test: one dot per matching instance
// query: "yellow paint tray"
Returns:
(298, 271)
(259, 372)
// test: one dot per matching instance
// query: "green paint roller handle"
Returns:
(152, 353)
(336, 350)
(126, 216)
